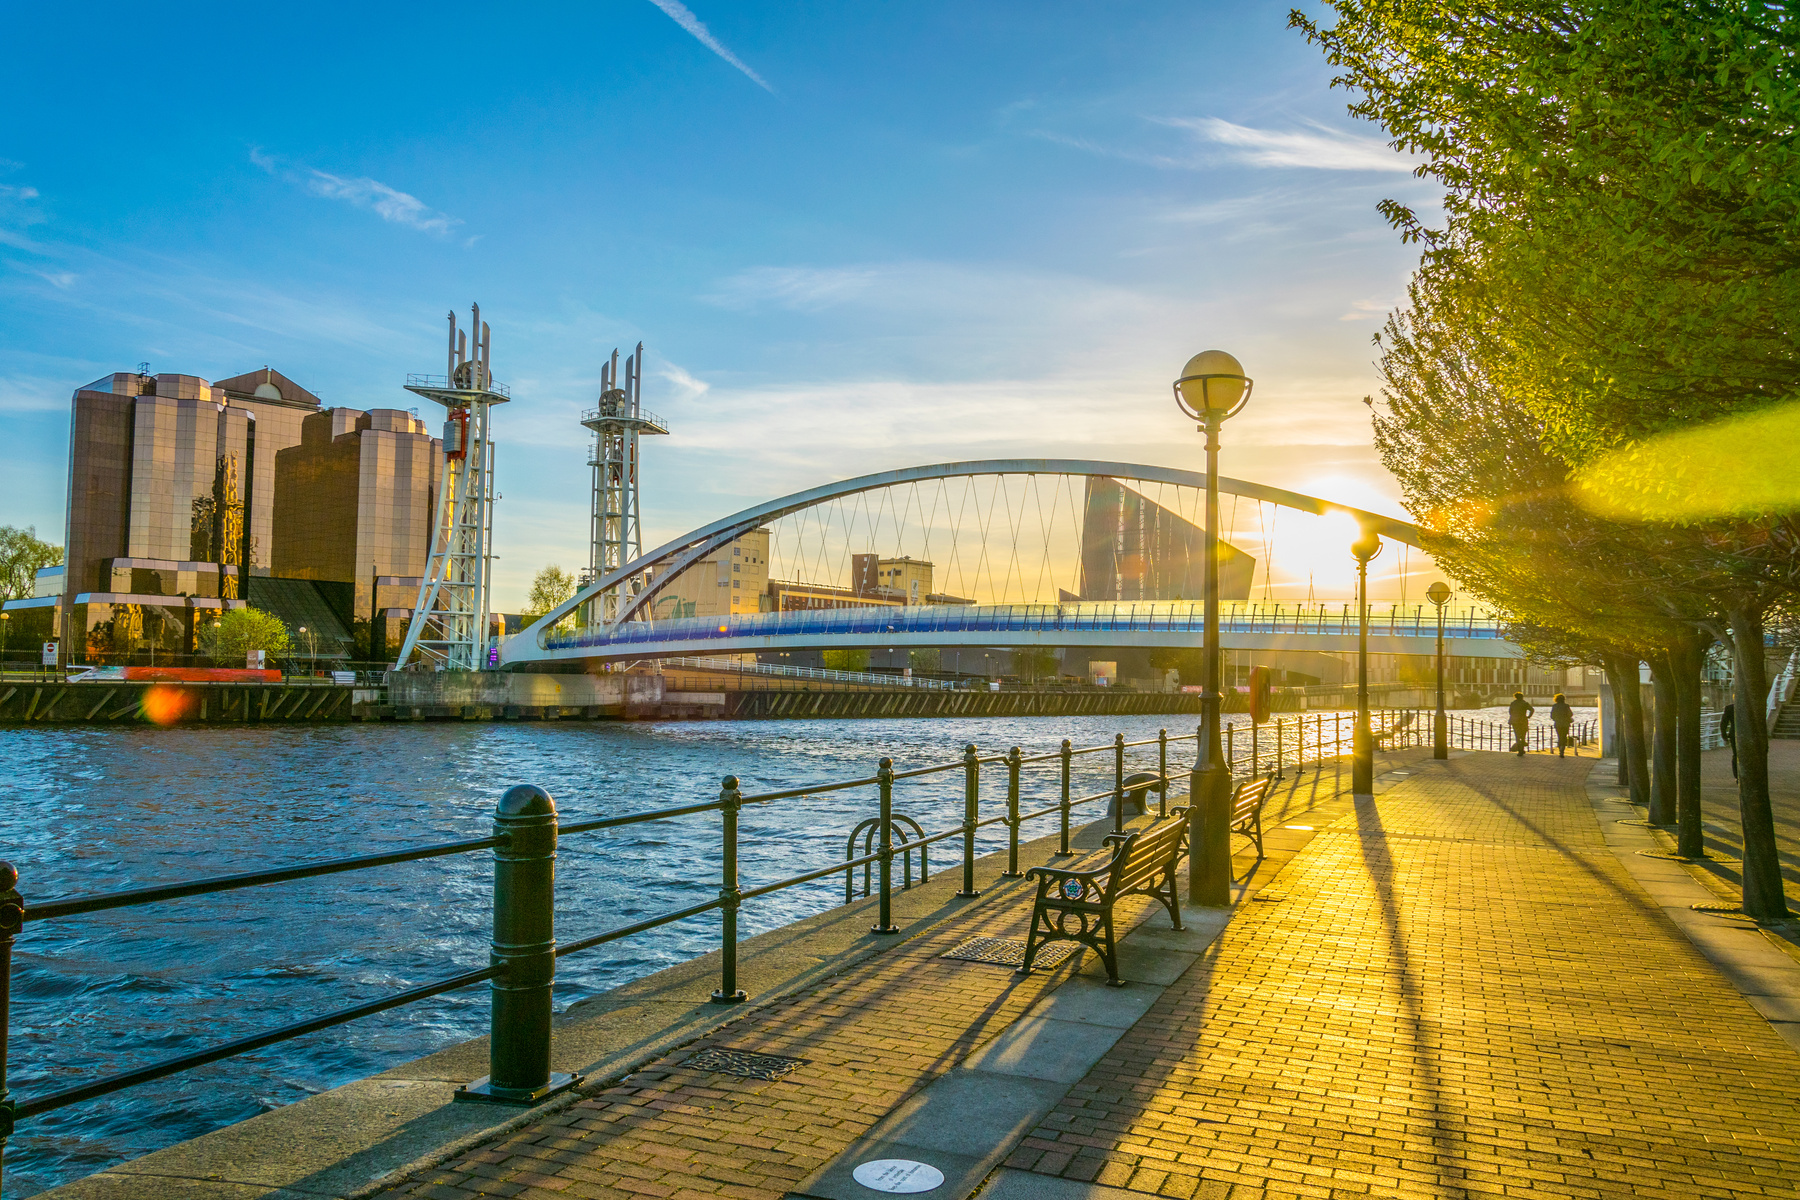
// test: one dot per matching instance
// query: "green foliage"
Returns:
(924, 660)
(22, 553)
(241, 630)
(1035, 662)
(846, 660)
(1188, 660)
(549, 588)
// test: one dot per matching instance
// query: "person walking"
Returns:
(1561, 716)
(1728, 733)
(1518, 715)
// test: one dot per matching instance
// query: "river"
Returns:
(96, 809)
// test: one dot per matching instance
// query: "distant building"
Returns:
(1134, 549)
(356, 504)
(732, 579)
(182, 495)
(874, 582)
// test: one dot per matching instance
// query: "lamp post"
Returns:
(1439, 594)
(1362, 750)
(1212, 389)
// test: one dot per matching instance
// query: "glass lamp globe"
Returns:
(1215, 396)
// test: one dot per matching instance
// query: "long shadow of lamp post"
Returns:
(1362, 751)
(1439, 594)
(1212, 389)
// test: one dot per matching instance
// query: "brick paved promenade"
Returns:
(1459, 992)
(1462, 994)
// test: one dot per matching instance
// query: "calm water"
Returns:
(90, 810)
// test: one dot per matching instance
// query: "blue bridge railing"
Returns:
(1181, 617)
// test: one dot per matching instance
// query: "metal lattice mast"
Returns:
(449, 627)
(617, 533)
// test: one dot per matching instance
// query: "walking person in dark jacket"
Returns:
(1518, 715)
(1561, 716)
(1728, 733)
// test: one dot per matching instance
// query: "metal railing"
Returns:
(525, 837)
(784, 670)
(1122, 617)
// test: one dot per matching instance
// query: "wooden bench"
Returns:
(1077, 906)
(1247, 806)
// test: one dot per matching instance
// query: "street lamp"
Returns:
(1212, 389)
(1362, 750)
(1439, 594)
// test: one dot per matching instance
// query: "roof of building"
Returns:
(269, 385)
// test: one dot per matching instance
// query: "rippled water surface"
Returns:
(94, 810)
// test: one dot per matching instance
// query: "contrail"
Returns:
(678, 12)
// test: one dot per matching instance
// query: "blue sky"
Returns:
(853, 236)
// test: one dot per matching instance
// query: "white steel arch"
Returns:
(674, 556)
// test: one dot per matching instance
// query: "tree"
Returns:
(1190, 661)
(549, 588)
(846, 660)
(1616, 269)
(238, 631)
(924, 660)
(1035, 662)
(22, 555)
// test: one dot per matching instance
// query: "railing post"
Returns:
(1231, 749)
(1066, 756)
(1012, 815)
(12, 919)
(1255, 743)
(884, 775)
(1162, 773)
(1279, 772)
(524, 948)
(732, 800)
(971, 814)
(1118, 783)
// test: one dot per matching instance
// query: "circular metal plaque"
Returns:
(897, 1175)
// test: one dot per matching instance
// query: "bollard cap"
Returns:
(969, 749)
(526, 800)
(9, 877)
(886, 764)
(729, 783)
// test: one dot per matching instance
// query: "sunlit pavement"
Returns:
(1462, 993)
(1451, 990)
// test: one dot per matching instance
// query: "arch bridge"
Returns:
(638, 633)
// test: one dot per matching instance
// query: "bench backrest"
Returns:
(1145, 854)
(1249, 796)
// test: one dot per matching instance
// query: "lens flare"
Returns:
(166, 705)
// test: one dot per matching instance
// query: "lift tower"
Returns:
(449, 626)
(615, 534)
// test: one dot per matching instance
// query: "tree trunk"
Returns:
(1763, 895)
(1662, 744)
(1623, 674)
(1687, 659)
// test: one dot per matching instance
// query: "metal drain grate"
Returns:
(1010, 952)
(742, 1062)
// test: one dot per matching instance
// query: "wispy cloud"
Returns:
(372, 195)
(1326, 149)
(19, 212)
(802, 289)
(1367, 310)
(678, 12)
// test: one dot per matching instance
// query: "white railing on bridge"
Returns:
(1178, 616)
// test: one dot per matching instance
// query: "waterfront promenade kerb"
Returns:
(1472, 984)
